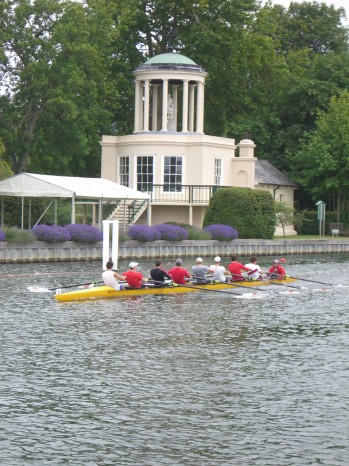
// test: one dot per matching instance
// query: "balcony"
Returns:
(179, 194)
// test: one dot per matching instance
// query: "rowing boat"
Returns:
(108, 292)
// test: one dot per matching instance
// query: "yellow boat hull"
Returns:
(107, 292)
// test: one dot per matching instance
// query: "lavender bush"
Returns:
(84, 233)
(222, 232)
(51, 233)
(143, 233)
(2, 235)
(171, 232)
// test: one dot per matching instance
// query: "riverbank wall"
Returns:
(40, 251)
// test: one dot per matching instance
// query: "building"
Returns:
(168, 155)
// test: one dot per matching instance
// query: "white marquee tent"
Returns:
(98, 189)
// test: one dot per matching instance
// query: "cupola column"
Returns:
(191, 107)
(185, 106)
(164, 104)
(154, 107)
(138, 106)
(200, 108)
(175, 104)
(146, 105)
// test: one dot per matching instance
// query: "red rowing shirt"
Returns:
(178, 275)
(278, 269)
(134, 279)
(235, 270)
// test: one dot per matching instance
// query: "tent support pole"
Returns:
(29, 213)
(124, 215)
(73, 210)
(55, 218)
(94, 215)
(2, 211)
(149, 214)
(22, 216)
(100, 213)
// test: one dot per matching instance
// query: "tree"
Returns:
(322, 164)
(55, 72)
(284, 214)
(5, 169)
(317, 63)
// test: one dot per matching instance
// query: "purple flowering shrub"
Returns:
(2, 235)
(143, 233)
(50, 233)
(222, 232)
(82, 233)
(170, 232)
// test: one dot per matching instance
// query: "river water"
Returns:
(200, 379)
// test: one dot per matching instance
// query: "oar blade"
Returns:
(38, 289)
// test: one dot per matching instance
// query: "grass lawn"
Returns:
(305, 237)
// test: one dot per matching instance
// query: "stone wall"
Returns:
(39, 251)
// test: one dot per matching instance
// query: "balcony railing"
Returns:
(179, 193)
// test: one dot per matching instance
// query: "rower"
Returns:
(235, 269)
(199, 271)
(158, 274)
(134, 278)
(111, 276)
(255, 271)
(179, 273)
(276, 271)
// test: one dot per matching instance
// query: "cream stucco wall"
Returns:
(281, 194)
(198, 151)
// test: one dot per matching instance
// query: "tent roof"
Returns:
(33, 185)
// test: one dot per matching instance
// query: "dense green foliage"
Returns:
(323, 160)
(5, 169)
(250, 212)
(66, 74)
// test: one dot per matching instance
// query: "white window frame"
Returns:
(181, 175)
(124, 175)
(148, 174)
(218, 169)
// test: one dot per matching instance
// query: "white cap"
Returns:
(199, 259)
(217, 259)
(132, 265)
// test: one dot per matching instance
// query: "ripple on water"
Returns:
(200, 379)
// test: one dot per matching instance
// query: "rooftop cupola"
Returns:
(169, 95)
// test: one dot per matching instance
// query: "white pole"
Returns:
(106, 242)
(115, 243)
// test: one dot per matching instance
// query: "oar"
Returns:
(195, 287)
(312, 281)
(255, 288)
(43, 289)
(245, 286)
(234, 284)
(271, 282)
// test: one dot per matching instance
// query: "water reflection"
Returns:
(194, 379)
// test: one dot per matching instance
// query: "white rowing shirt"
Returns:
(255, 267)
(110, 280)
(218, 272)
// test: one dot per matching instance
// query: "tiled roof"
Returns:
(266, 173)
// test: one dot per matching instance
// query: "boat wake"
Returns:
(37, 289)
(257, 295)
